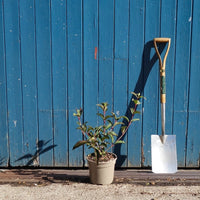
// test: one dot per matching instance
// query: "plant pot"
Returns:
(103, 173)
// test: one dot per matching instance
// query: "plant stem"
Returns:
(104, 121)
(126, 127)
(84, 133)
(128, 124)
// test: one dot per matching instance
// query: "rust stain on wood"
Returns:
(95, 53)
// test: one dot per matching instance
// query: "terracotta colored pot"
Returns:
(103, 173)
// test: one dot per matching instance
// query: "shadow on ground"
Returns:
(45, 177)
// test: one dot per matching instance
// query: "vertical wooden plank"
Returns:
(4, 148)
(184, 17)
(168, 29)
(14, 89)
(75, 80)
(59, 68)
(152, 30)
(136, 45)
(90, 63)
(121, 70)
(44, 74)
(27, 21)
(193, 140)
(105, 51)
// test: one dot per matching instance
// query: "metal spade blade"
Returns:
(163, 154)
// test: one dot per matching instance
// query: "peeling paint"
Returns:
(15, 123)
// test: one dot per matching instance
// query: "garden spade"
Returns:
(163, 147)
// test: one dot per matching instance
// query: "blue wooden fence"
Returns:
(59, 55)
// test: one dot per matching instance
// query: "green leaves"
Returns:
(100, 115)
(103, 106)
(119, 142)
(80, 143)
(136, 101)
(102, 137)
(133, 120)
(123, 129)
(83, 127)
(78, 113)
(126, 118)
(137, 95)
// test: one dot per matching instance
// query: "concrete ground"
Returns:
(74, 184)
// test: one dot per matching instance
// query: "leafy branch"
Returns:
(103, 137)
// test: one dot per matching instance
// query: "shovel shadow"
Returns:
(148, 62)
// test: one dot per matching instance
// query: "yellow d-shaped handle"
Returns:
(162, 66)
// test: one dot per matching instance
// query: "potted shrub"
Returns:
(102, 138)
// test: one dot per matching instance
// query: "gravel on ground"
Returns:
(86, 191)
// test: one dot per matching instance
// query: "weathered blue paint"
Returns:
(56, 56)
(75, 77)
(135, 84)
(14, 79)
(193, 141)
(29, 84)
(4, 148)
(59, 81)
(150, 82)
(105, 52)
(181, 87)
(44, 80)
(90, 44)
(121, 69)
(168, 29)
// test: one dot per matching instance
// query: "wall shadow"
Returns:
(148, 62)
(41, 148)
